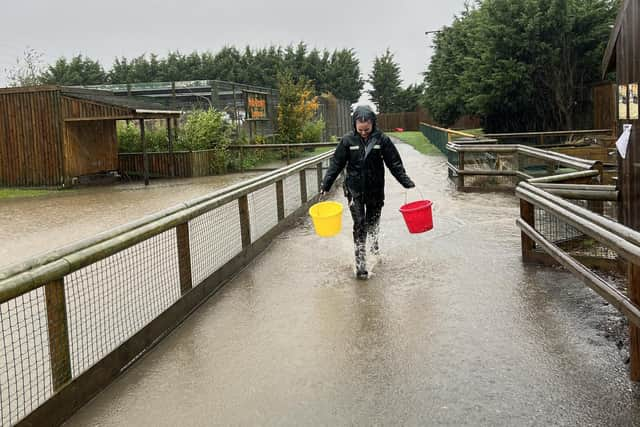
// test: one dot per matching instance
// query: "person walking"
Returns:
(364, 152)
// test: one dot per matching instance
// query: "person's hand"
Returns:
(322, 194)
(410, 184)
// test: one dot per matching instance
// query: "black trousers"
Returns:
(366, 221)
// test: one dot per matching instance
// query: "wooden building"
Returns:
(622, 56)
(50, 134)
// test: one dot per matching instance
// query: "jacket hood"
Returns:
(364, 113)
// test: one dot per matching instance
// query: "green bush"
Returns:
(129, 138)
(207, 130)
(312, 131)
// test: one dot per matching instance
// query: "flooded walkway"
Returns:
(31, 226)
(451, 329)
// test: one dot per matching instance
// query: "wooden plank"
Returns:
(184, 257)
(58, 329)
(634, 331)
(527, 213)
(280, 199)
(303, 186)
(245, 221)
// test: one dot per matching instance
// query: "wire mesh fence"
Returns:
(101, 313)
(62, 326)
(25, 370)
(569, 238)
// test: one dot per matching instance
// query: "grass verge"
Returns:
(417, 140)
(11, 193)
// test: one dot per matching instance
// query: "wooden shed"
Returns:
(622, 56)
(52, 134)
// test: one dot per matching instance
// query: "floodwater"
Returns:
(451, 329)
(31, 226)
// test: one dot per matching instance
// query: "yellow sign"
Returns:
(633, 101)
(256, 106)
(623, 103)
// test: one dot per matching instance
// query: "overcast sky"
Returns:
(104, 30)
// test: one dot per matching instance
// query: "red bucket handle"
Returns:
(406, 191)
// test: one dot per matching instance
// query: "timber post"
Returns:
(634, 331)
(245, 221)
(145, 157)
(59, 350)
(172, 155)
(303, 186)
(461, 169)
(280, 199)
(527, 214)
(319, 174)
(184, 258)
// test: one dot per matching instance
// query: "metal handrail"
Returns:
(524, 149)
(601, 287)
(23, 277)
(548, 133)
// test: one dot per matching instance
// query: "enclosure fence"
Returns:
(72, 319)
(567, 217)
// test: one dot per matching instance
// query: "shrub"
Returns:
(312, 131)
(207, 130)
(129, 138)
(296, 107)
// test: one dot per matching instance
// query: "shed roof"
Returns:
(609, 60)
(134, 107)
(138, 106)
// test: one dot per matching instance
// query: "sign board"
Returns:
(623, 103)
(256, 105)
(633, 101)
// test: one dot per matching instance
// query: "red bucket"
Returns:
(417, 216)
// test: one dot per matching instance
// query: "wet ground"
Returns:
(31, 226)
(451, 329)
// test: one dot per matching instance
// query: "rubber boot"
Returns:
(361, 263)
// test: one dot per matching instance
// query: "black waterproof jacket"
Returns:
(365, 166)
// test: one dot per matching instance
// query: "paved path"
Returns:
(451, 329)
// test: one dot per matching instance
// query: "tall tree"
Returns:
(296, 107)
(343, 75)
(79, 70)
(521, 64)
(385, 80)
(27, 70)
(409, 99)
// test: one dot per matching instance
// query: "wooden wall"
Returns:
(73, 108)
(90, 147)
(30, 134)
(604, 106)
(409, 121)
(628, 71)
(160, 164)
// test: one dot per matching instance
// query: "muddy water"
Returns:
(30, 226)
(451, 329)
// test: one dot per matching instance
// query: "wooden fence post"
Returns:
(634, 331)
(172, 155)
(280, 199)
(245, 222)
(60, 354)
(527, 213)
(319, 174)
(145, 156)
(461, 169)
(184, 258)
(303, 186)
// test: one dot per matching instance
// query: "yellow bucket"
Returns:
(327, 218)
